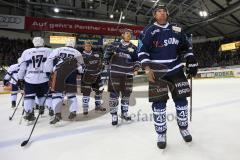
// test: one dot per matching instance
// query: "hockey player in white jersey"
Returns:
(11, 79)
(58, 57)
(32, 76)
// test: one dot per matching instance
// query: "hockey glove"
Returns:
(191, 66)
(81, 69)
(48, 74)
(5, 82)
(20, 84)
(150, 74)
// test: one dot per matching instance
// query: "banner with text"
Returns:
(76, 26)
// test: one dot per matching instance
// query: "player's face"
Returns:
(88, 47)
(161, 16)
(127, 36)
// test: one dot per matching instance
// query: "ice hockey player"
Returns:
(11, 79)
(162, 46)
(58, 57)
(91, 78)
(122, 61)
(32, 76)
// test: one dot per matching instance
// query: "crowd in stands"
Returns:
(207, 53)
(11, 49)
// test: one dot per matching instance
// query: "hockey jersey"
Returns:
(59, 54)
(140, 37)
(12, 74)
(93, 65)
(121, 57)
(161, 47)
(32, 65)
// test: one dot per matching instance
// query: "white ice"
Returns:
(215, 129)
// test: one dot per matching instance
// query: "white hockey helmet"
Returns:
(38, 42)
(70, 43)
(19, 60)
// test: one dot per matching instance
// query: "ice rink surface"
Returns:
(215, 129)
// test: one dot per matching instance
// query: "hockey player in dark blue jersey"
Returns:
(122, 61)
(91, 78)
(160, 54)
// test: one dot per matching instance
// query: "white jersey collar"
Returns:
(88, 53)
(124, 43)
(162, 26)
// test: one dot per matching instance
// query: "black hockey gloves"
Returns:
(5, 82)
(20, 84)
(192, 66)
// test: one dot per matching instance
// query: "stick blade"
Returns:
(24, 143)
(10, 118)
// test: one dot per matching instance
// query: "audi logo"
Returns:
(15, 20)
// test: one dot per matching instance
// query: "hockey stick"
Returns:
(26, 141)
(10, 118)
(20, 122)
(191, 98)
(9, 74)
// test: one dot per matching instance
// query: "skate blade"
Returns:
(73, 119)
(118, 125)
(29, 123)
(59, 124)
(163, 151)
(189, 144)
(124, 121)
(43, 116)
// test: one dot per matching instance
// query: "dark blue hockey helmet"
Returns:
(157, 7)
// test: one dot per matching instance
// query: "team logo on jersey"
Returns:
(176, 29)
(96, 55)
(155, 31)
(171, 41)
(93, 62)
(166, 42)
(157, 44)
(130, 49)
